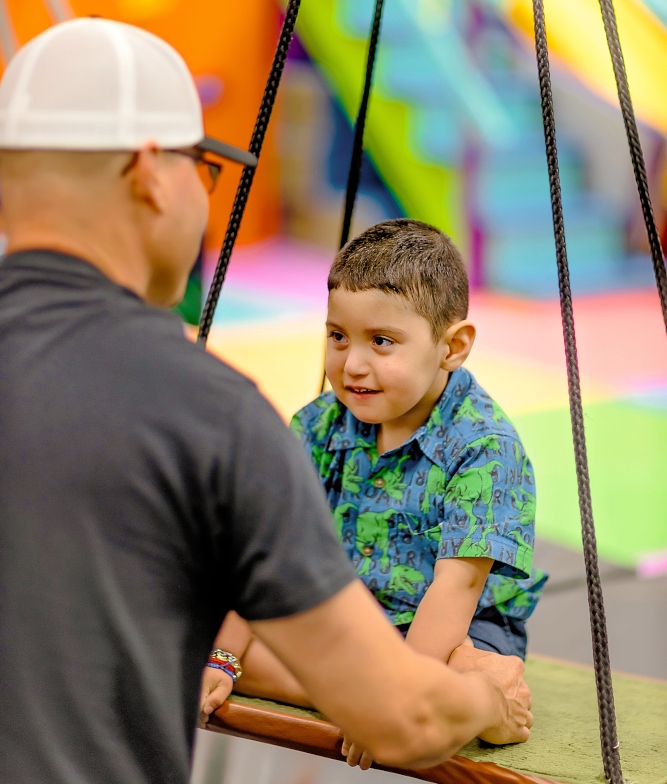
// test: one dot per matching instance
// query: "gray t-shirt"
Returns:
(145, 489)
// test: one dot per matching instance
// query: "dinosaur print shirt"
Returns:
(462, 485)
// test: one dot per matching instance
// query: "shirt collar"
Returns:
(349, 432)
(56, 267)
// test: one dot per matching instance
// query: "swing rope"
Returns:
(605, 694)
(357, 159)
(248, 174)
(354, 175)
(638, 165)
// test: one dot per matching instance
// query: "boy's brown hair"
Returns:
(411, 259)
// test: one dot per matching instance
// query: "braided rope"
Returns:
(357, 159)
(248, 174)
(610, 755)
(618, 63)
(354, 175)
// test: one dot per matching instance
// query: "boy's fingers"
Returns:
(203, 697)
(354, 755)
(216, 698)
(213, 703)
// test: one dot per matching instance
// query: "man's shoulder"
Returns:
(69, 299)
(154, 343)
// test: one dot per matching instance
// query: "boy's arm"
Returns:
(441, 622)
(264, 675)
(442, 619)
(234, 637)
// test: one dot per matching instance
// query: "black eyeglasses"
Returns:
(208, 170)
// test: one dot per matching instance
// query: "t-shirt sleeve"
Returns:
(489, 507)
(284, 555)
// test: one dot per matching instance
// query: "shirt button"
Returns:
(367, 550)
(379, 482)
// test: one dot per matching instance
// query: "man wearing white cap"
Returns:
(145, 487)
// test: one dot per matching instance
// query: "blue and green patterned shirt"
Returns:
(462, 485)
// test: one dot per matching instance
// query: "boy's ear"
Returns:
(458, 338)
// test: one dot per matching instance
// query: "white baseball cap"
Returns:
(96, 84)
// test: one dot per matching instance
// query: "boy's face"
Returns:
(381, 360)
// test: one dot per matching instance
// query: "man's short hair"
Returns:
(411, 259)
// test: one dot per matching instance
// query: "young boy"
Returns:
(432, 493)
(427, 478)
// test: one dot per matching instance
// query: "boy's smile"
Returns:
(383, 363)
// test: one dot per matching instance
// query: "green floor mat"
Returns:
(565, 743)
(627, 452)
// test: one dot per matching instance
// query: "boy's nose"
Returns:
(356, 363)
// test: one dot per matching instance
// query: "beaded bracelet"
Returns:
(224, 667)
(225, 661)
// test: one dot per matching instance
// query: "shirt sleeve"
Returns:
(284, 555)
(489, 507)
(301, 426)
(312, 426)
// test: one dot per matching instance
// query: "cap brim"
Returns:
(227, 151)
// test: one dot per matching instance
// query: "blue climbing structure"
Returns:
(454, 130)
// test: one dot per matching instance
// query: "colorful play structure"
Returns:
(454, 130)
(454, 126)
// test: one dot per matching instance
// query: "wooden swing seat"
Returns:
(564, 745)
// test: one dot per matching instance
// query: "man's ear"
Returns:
(144, 179)
(459, 338)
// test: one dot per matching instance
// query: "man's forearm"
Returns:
(459, 709)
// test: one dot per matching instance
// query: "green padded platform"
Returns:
(565, 743)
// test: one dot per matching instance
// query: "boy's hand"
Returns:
(216, 686)
(356, 755)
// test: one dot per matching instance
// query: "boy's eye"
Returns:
(381, 342)
(337, 337)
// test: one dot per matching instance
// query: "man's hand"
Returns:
(216, 686)
(506, 675)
